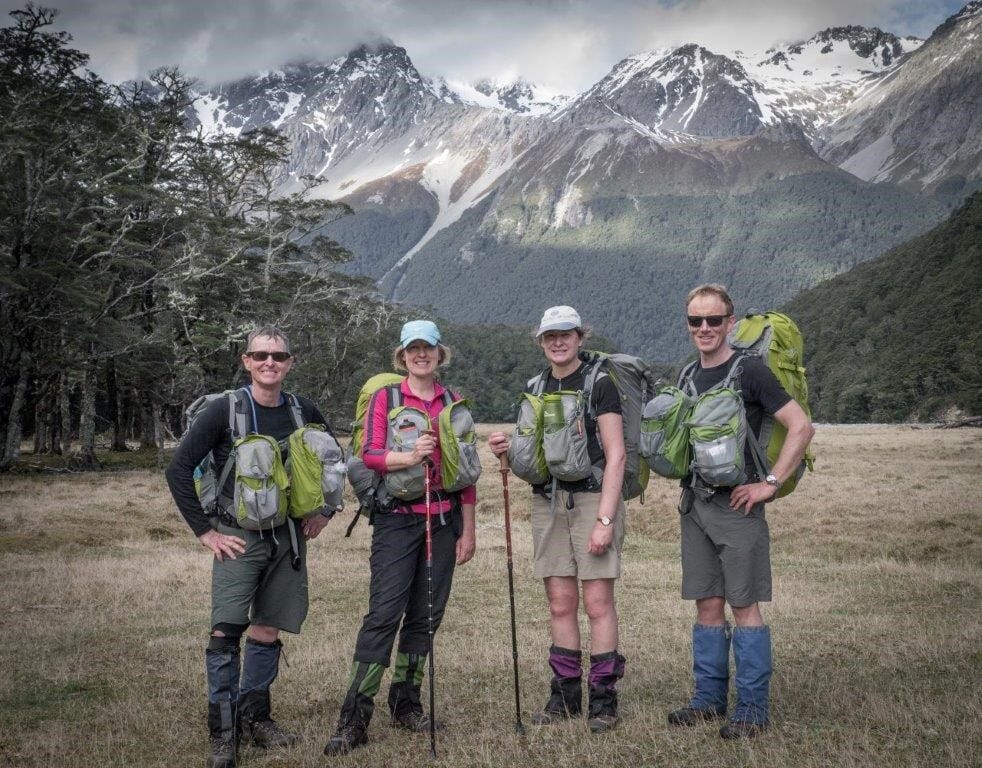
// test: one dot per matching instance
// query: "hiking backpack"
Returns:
(776, 339)
(460, 465)
(260, 490)
(664, 437)
(549, 435)
(717, 431)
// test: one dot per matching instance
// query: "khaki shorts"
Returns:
(560, 538)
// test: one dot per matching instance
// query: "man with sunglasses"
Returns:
(259, 582)
(725, 539)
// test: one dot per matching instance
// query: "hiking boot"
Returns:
(414, 720)
(347, 737)
(565, 688)
(602, 722)
(691, 716)
(267, 734)
(742, 729)
(559, 707)
(223, 737)
(605, 670)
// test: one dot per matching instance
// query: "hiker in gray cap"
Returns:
(578, 517)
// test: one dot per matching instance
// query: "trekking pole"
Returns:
(427, 466)
(519, 728)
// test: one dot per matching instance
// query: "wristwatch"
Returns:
(605, 521)
(772, 480)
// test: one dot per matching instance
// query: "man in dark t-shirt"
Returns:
(725, 539)
(259, 583)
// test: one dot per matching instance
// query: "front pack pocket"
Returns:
(717, 432)
(525, 456)
(564, 440)
(459, 463)
(261, 483)
(664, 442)
(405, 427)
(317, 472)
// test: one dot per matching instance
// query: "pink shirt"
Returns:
(376, 429)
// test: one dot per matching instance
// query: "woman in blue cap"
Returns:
(398, 449)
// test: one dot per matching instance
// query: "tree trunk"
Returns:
(11, 448)
(158, 430)
(148, 435)
(86, 427)
(113, 399)
(65, 402)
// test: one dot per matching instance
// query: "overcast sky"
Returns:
(564, 44)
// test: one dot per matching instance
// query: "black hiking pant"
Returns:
(399, 583)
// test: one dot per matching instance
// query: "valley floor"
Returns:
(877, 581)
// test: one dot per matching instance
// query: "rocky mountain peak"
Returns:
(969, 11)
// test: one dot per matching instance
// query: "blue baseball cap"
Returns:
(423, 330)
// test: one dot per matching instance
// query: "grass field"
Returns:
(876, 622)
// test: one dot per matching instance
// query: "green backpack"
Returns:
(776, 339)
(716, 425)
(664, 436)
(208, 480)
(460, 465)
(550, 440)
(317, 470)
(368, 486)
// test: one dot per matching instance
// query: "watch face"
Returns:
(605, 520)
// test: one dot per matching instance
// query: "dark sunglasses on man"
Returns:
(713, 321)
(260, 356)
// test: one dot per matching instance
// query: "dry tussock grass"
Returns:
(875, 619)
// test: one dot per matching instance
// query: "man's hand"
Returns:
(222, 545)
(601, 538)
(313, 525)
(747, 496)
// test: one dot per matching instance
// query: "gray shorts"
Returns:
(260, 586)
(724, 552)
(560, 538)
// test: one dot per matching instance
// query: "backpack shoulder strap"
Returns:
(394, 396)
(685, 382)
(538, 383)
(733, 374)
(238, 427)
(238, 418)
(447, 397)
(596, 371)
(295, 410)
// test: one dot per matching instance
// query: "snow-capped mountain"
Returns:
(518, 96)
(921, 125)
(680, 165)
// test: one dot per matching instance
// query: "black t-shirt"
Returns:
(604, 399)
(762, 392)
(210, 432)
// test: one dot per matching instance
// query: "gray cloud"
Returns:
(567, 44)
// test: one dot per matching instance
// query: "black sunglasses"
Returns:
(713, 321)
(260, 356)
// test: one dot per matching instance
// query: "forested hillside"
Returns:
(900, 337)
